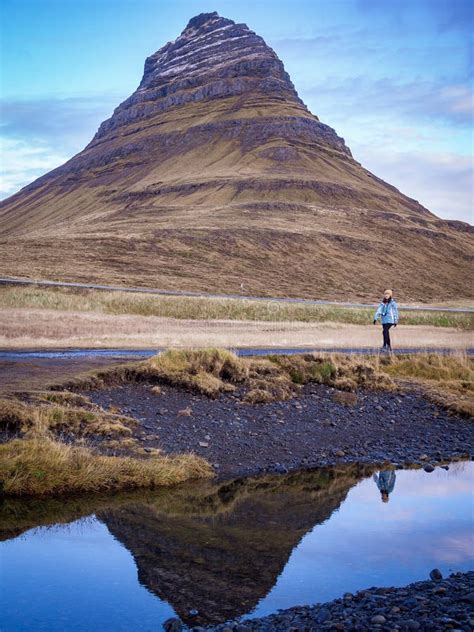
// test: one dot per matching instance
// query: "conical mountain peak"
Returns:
(213, 58)
(213, 20)
(213, 173)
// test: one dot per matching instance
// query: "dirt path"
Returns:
(25, 328)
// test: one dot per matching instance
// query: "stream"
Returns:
(210, 552)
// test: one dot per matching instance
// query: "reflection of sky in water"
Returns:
(78, 577)
(74, 578)
(428, 522)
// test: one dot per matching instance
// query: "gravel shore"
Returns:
(427, 606)
(313, 429)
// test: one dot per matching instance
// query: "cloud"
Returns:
(22, 162)
(452, 103)
(447, 15)
(441, 181)
(37, 135)
(65, 120)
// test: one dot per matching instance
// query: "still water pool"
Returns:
(230, 549)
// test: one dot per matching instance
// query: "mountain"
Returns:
(228, 556)
(214, 176)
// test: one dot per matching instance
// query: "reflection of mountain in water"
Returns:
(222, 549)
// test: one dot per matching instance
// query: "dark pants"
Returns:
(386, 335)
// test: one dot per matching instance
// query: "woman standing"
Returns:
(387, 311)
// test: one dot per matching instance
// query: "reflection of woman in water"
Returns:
(385, 481)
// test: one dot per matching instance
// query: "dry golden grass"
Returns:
(189, 308)
(278, 377)
(62, 413)
(214, 371)
(42, 466)
(447, 380)
(207, 371)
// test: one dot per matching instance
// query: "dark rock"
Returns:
(429, 468)
(173, 625)
(436, 575)
(323, 615)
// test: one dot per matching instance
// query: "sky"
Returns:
(394, 78)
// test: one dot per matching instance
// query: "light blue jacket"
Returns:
(388, 312)
(385, 481)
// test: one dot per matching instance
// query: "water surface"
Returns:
(227, 550)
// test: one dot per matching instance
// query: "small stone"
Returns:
(185, 412)
(203, 444)
(429, 468)
(193, 612)
(345, 398)
(323, 615)
(424, 457)
(445, 467)
(348, 596)
(436, 575)
(411, 624)
(339, 453)
(148, 450)
(173, 625)
(378, 618)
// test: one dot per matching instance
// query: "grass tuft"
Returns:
(447, 380)
(43, 466)
(207, 371)
(38, 417)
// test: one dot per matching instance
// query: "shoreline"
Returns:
(233, 417)
(435, 604)
(319, 427)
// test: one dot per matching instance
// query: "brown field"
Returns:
(43, 328)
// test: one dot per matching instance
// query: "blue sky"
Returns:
(395, 79)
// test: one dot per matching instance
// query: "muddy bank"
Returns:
(445, 604)
(312, 430)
